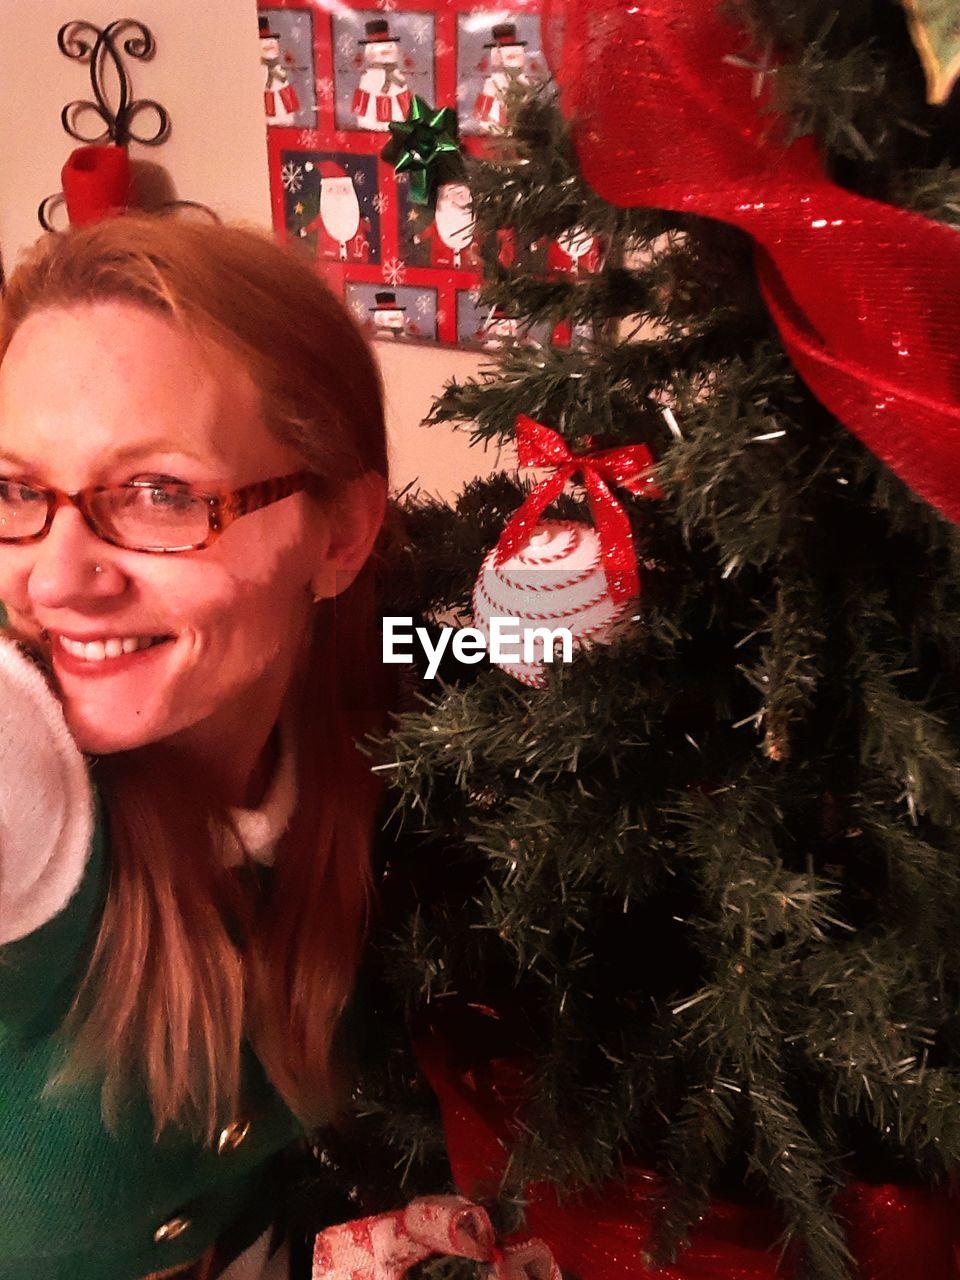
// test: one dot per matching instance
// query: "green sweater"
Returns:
(77, 1203)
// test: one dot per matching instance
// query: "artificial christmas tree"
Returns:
(679, 923)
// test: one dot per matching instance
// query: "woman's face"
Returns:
(106, 393)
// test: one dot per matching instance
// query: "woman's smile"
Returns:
(105, 655)
(96, 650)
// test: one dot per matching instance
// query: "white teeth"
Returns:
(97, 650)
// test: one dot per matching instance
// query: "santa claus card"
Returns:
(336, 74)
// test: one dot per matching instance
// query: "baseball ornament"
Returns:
(555, 580)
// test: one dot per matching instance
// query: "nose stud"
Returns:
(98, 568)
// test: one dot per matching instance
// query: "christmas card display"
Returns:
(335, 77)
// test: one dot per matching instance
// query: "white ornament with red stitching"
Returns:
(550, 574)
(556, 580)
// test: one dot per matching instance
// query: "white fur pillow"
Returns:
(46, 800)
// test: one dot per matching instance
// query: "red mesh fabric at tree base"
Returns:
(864, 294)
(894, 1233)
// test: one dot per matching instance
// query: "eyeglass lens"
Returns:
(23, 511)
(147, 516)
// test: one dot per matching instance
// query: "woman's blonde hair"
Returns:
(189, 959)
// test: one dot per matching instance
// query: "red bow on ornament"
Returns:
(384, 1247)
(666, 113)
(629, 466)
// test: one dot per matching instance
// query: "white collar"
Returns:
(260, 829)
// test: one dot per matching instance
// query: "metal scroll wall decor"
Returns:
(74, 41)
(98, 123)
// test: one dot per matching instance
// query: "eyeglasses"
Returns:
(144, 515)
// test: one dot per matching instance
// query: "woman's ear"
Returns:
(350, 526)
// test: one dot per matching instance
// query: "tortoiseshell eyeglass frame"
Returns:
(223, 507)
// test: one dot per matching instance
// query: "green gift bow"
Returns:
(423, 146)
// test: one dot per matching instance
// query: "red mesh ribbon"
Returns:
(864, 295)
(630, 466)
(385, 1246)
(894, 1233)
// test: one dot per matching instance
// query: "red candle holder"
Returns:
(96, 183)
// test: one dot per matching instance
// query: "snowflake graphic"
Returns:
(442, 49)
(345, 44)
(474, 296)
(308, 138)
(359, 178)
(325, 89)
(422, 305)
(291, 175)
(394, 271)
(378, 202)
(422, 30)
(388, 6)
(358, 308)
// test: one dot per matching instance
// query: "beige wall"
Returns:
(439, 460)
(206, 73)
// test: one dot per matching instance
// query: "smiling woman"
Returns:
(192, 482)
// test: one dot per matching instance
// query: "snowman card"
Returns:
(390, 315)
(491, 328)
(380, 61)
(497, 50)
(336, 75)
(289, 76)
